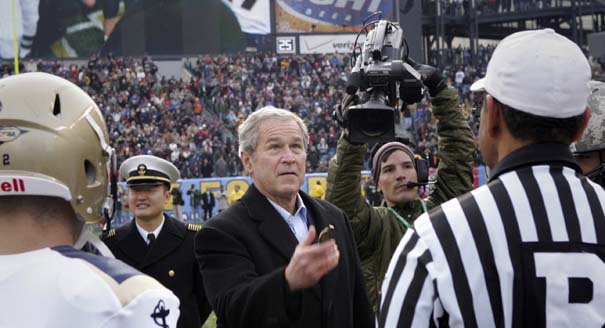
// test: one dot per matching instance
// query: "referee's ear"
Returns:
(494, 118)
(585, 119)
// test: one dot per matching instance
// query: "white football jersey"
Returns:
(65, 287)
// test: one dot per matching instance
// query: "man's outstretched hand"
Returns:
(310, 262)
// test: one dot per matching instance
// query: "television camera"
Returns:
(380, 77)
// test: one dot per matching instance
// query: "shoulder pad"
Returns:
(194, 227)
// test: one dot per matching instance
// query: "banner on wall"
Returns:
(214, 184)
(78, 29)
(253, 16)
(229, 183)
(327, 16)
(329, 43)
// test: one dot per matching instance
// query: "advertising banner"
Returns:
(253, 16)
(329, 43)
(229, 184)
(327, 16)
(78, 29)
(213, 184)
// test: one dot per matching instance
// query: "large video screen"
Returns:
(327, 16)
(79, 28)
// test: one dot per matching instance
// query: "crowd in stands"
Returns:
(486, 7)
(309, 85)
(193, 123)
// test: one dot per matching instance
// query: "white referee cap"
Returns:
(538, 72)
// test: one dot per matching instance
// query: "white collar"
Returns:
(155, 232)
(300, 211)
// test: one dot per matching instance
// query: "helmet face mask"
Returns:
(53, 142)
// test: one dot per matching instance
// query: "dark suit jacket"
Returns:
(208, 200)
(243, 252)
(170, 260)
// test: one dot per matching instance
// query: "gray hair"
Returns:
(248, 131)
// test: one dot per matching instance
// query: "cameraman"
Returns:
(378, 229)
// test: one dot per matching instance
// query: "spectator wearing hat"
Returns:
(156, 243)
(526, 249)
(395, 172)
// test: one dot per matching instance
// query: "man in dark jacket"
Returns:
(206, 168)
(378, 229)
(157, 244)
(262, 262)
(177, 203)
(207, 204)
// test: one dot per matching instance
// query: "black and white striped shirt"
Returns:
(527, 249)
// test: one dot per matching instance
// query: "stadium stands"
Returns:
(194, 123)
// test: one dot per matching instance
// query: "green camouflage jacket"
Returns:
(378, 231)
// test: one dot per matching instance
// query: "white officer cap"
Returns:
(538, 72)
(148, 170)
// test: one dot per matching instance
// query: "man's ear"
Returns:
(246, 161)
(587, 114)
(494, 120)
(167, 195)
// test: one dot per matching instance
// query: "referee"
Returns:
(528, 248)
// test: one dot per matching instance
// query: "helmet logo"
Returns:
(10, 133)
(17, 186)
(142, 169)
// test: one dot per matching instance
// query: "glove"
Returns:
(340, 111)
(340, 114)
(431, 77)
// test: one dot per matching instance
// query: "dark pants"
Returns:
(207, 213)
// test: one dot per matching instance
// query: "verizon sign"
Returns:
(328, 43)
